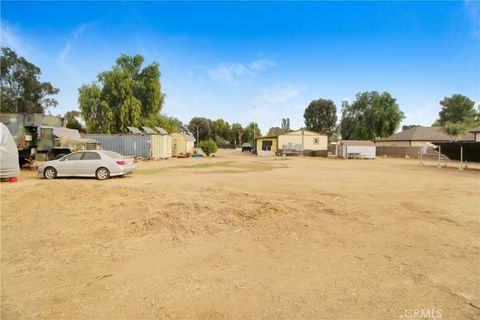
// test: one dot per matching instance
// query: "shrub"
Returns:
(208, 147)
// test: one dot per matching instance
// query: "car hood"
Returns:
(49, 163)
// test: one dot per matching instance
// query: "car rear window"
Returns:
(113, 155)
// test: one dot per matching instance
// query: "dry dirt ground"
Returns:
(242, 237)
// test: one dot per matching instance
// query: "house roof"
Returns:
(475, 130)
(295, 132)
(424, 134)
(185, 136)
(299, 131)
(357, 143)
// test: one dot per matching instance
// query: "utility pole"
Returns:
(197, 138)
(254, 129)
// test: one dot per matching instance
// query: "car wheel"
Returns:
(102, 174)
(50, 173)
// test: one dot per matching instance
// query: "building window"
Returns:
(316, 141)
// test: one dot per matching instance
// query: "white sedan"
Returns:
(101, 164)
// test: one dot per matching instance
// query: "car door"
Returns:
(90, 163)
(70, 164)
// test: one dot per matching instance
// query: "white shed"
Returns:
(161, 146)
(356, 149)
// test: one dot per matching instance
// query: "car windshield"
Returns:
(113, 155)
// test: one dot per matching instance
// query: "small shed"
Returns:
(182, 142)
(363, 149)
(476, 134)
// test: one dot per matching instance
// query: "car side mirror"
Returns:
(63, 159)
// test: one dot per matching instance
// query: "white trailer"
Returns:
(356, 149)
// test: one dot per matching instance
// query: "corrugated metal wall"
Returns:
(128, 145)
(136, 145)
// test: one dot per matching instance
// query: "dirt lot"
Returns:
(242, 237)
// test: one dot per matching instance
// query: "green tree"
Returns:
(321, 116)
(171, 124)
(249, 130)
(457, 115)
(286, 125)
(72, 121)
(406, 127)
(371, 115)
(21, 89)
(236, 133)
(275, 131)
(457, 108)
(97, 113)
(126, 95)
(220, 131)
(203, 125)
(208, 147)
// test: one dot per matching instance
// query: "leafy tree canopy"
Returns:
(220, 131)
(275, 131)
(457, 108)
(72, 121)
(208, 146)
(126, 95)
(21, 88)
(203, 125)
(458, 114)
(371, 115)
(286, 125)
(236, 133)
(249, 131)
(321, 116)
(171, 124)
(409, 126)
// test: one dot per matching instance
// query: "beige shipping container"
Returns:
(181, 142)
(161, 146)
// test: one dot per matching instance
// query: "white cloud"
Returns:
(472, 10)
(261, 64)
(274, 103)
(10, 37)
(424, 116)
(278, 94)
(68, 45)
(230, 73)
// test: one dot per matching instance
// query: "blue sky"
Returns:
(219, 60)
